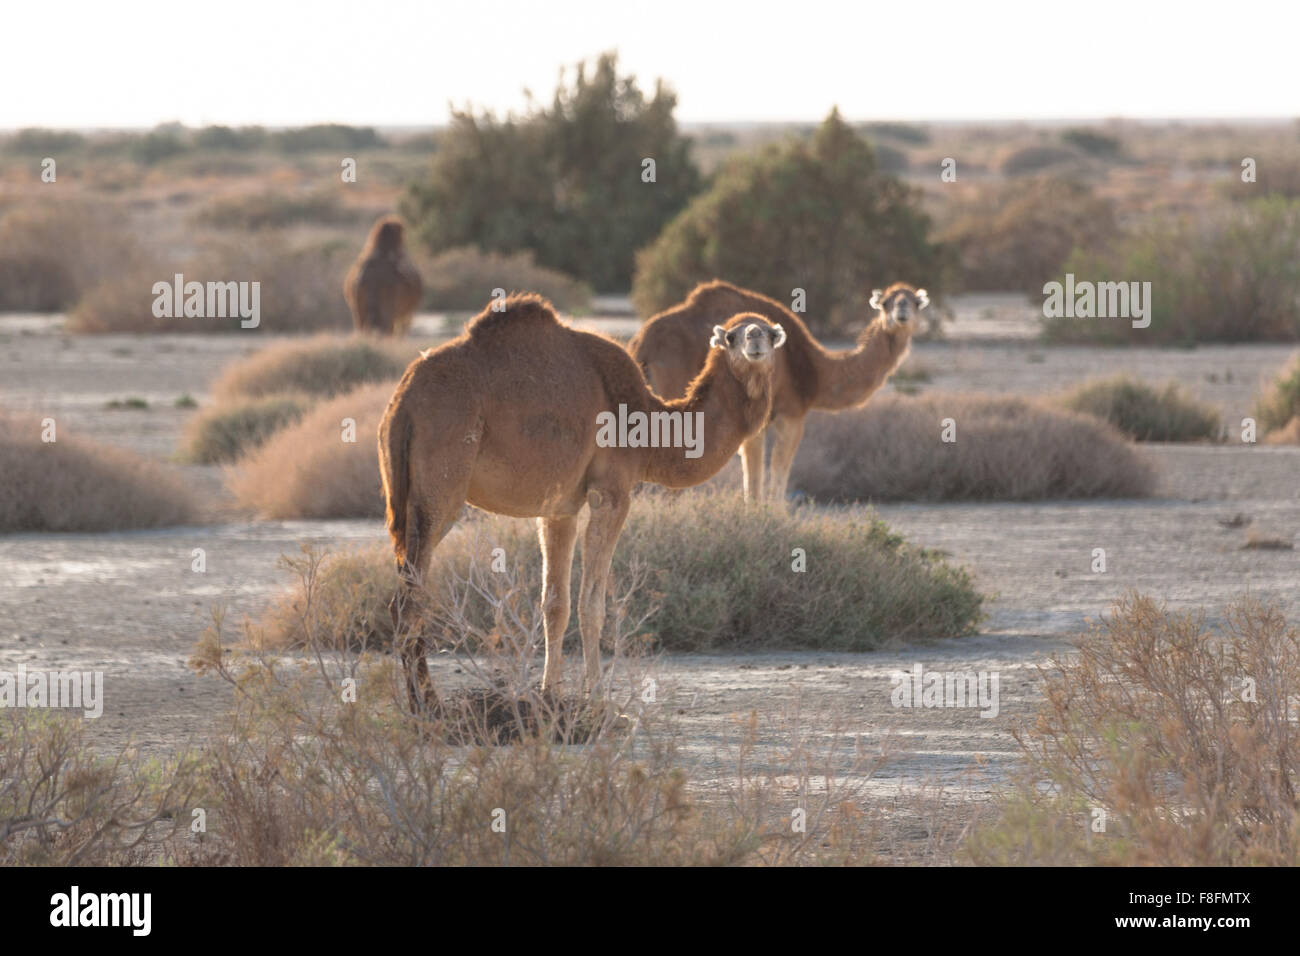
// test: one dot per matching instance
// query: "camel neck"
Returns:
(722, 413)
(848, 378)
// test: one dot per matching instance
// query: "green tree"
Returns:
(818, 215)
(564, 181)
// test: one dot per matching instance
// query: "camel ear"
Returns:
(780, 336)
(875, 298)
(923, 298)
(719, 340)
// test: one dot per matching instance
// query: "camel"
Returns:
(808, 375)
(383, 287)
(507, 418)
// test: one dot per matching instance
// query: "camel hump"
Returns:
(714, 287)
(518, 312)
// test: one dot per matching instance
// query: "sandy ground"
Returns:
(129, 604)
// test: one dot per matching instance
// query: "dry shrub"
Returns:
(1035, 159)
(72, 484)
(225, 433)
(323, 366)
(322, 467)
(1276, 175)
(301, 776)
(300, 289)
(865, 586)
(1288, 434)
(1182, 734)
(463, 279)
(62, 805)
(1260, 540)
(1277, 409)
(319, 763)
(1006, 449)
(1144, 413)
(276, 210)
(52, 253)
(1018, 235)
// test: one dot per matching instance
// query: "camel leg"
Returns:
(558, 537)
(608, 512)
(751, 460)
(787, 433)
(429, 516)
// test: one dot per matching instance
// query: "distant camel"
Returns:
(383, 287)
(507, 417)
(808, 376)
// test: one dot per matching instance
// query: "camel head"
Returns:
(900, 303)
(750, 342)
(387, 235)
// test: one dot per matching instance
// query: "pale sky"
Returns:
(372, 62)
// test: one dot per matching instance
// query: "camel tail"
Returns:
(395, 472)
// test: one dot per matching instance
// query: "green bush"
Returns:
(225, 138)
(1230, 274)
(1144, 413)
(817, 215)
(564, 181)
(37, 143)
(1092, 142)
(154, 147)
(226, 433)
(325, 137)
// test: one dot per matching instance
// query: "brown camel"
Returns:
(808, 376)
(515, 416)
(383, 287)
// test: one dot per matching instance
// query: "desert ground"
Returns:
(130, 605)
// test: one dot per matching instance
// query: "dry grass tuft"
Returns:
(863, 588)
(325, 466)
(1278, 409)
(323, 366)
(1144, 413)
(72, 484)
(1257, 540)
(298, 288)
(225, 433)
(1006, 449)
